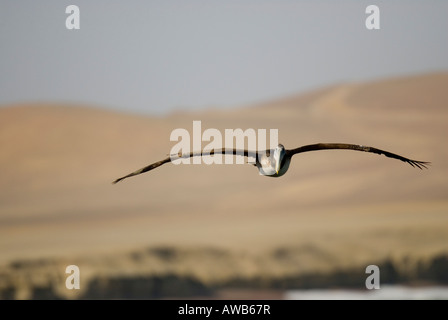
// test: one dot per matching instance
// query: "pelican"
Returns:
(275, 162)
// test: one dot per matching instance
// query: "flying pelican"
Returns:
(275, 163)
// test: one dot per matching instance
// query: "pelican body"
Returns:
(273, 163)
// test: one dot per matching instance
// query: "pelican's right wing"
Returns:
(144, 169)
(157, 164)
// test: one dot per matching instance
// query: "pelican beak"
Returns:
(278, 156)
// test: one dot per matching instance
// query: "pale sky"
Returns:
(155, 57)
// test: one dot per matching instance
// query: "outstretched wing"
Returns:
(328, 146)
(157, 164)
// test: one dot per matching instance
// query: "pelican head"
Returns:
(279, 154)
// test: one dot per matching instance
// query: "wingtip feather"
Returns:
(419, 164)
(116, 181)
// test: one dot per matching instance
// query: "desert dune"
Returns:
(333, 210)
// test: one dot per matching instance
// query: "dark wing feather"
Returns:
(145, 169)
(328, 146)
(157, 164)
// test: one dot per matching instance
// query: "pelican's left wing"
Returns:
(356, 147)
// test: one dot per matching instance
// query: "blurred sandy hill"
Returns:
(332, 210)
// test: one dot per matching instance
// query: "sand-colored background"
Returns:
(333, 210)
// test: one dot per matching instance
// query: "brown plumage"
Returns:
(275, 163)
